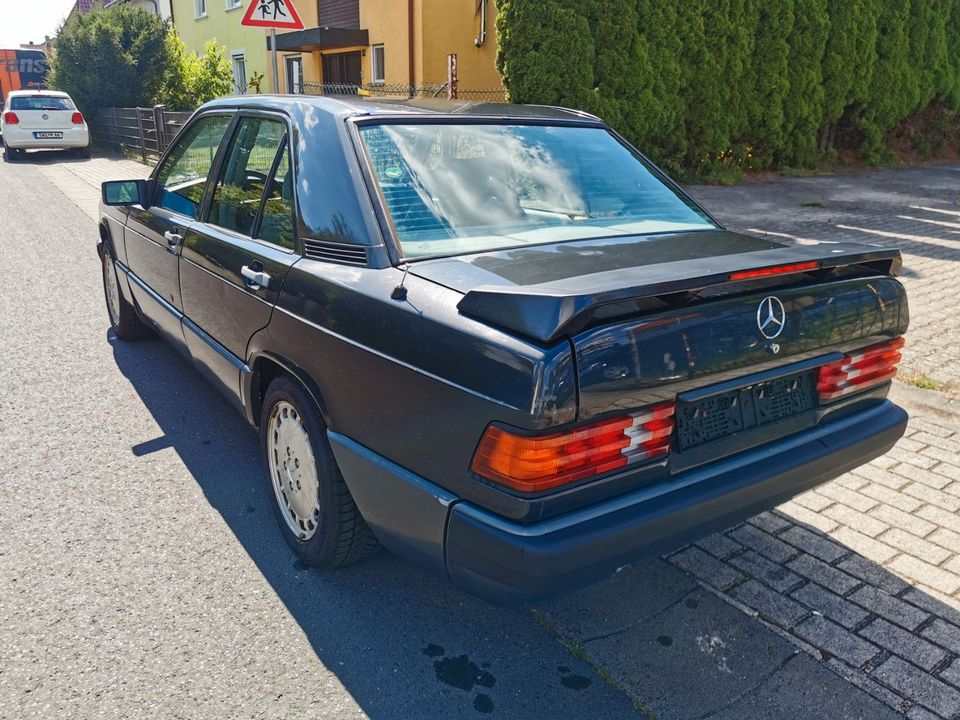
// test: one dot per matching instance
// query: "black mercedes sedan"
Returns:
(496, 339)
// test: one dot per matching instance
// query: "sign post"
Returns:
(273, 14)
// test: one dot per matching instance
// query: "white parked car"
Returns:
(42, 120)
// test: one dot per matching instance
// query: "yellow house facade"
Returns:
(199, 21)
(393, 44)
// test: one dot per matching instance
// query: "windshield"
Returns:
(467, 188)
(41, 102)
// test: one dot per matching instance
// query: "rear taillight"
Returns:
(866, 368)
(77, 118)
(544, 462)
(10, 118)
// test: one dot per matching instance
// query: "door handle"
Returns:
(173, 238)
(255, 278)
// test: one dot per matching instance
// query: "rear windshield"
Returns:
(452, 188)
(41, 102)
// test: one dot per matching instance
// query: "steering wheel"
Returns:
(255, 176)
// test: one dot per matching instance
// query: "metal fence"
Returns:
(444, 90)
(146, 131)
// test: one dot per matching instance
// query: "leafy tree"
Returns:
(195, 79)
(114, 57)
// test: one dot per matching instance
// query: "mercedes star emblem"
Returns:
(771, 317)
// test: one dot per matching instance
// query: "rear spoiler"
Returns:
(551, 310)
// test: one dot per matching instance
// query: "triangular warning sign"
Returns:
(280, 14)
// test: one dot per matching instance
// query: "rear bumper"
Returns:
(511, 563)
(20, 139)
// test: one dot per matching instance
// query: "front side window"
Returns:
(182, 178)
(458, 188)
(249, 174)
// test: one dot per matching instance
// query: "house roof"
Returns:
(85, 6)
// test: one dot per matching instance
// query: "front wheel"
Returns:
(123, 317)
(314, 508)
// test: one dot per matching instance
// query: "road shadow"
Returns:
(402, 642)
(48, 157)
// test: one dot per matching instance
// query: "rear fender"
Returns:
(255, 384)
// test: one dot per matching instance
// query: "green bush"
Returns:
(720, 86)
(195, 79)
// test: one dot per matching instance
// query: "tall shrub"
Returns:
(893, 89)
(114, 57)
(766, 81)
(803, 107)
(545, 53)
(849, 61)
(769, 81)
(664, 134)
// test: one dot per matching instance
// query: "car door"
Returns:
(154, 235)
(235, 261)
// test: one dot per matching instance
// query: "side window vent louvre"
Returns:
(335, 252)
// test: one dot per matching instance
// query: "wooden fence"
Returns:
(147, 131)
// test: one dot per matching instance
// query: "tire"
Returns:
(84, 153)
(314, 509)
(123, 317)
(10, 154)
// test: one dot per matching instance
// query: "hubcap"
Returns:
(113, 290)
(293, 470)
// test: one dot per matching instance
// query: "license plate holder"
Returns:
(48, 136)
(728, 413)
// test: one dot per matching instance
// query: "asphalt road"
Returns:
(142, 573)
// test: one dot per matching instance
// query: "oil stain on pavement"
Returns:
(462, 673)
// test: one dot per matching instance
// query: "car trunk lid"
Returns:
(645, 314)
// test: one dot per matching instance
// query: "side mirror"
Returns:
(124, 192)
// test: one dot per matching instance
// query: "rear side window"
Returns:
(182, 178)
(277, 223)
(41, 102)
(255, 187)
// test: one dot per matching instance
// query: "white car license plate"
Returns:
(48, 135)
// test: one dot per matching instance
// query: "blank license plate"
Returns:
(721, 416)
(48, 135)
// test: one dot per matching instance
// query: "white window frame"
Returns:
(235, 57)
(289, 60)
(199, 9)
(378, 71)
(233, 5)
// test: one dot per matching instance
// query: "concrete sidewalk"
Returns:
(841, 604)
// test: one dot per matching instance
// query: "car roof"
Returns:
(42, 93)
(356, 105)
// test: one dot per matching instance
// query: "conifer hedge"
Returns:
(755, 84)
